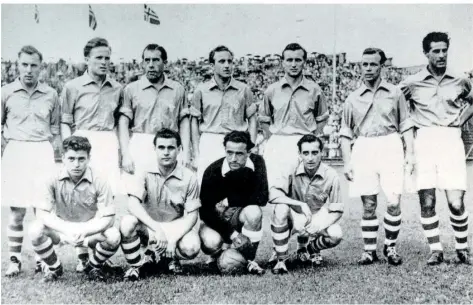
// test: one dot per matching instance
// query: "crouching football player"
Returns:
(78, 210)
(307, 202)
(163, 203)
(234, 189)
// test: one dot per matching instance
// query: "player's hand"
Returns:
(307, 212)
(348, 171)
(170, 250)
(407, 90)
(77, 238)
(127, 164)
(161, 239)
(409, 164)
(313, 228)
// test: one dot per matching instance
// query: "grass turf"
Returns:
(339, 280)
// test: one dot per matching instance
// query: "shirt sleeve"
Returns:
(105, 204)
(335, 201)
(250, 103)
(280, 184)
(322, 106)
(49, 197)
(192, 197)
(195, 108)
(266, 112)
(55, 115)
(126, 107)
(136, 187)
(346, 129)
(405, 121)
(182, 102)
(67, 106)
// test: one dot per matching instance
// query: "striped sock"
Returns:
(281, 236)
(255, 238)
(369, 232)
(15, 240)
(47, 254)
(392, 226)
(82, 253)
(460, 229)
(320, 243)
(302, 241)
(132, 251)
(102, 252)
(432, 232)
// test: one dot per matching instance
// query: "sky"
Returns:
(192, 30)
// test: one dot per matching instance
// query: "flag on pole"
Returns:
(92, 19)
(36, 13)
(151, 16)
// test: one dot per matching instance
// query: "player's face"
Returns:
(236, 155)
(311, 155)
(223, 66)
(76, 162)
(166, 151)
(153, 65)
(293, 62)
(371, 67)
(30, 68)
(437, 55)
(98, 61)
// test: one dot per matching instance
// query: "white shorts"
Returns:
(104, 155)
(281, 156)
(142, 152)
(299, 220)
(378, 163)
(26, 168)
(440, 159)
(210, 150)
(61, 239)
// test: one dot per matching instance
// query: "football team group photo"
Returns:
(264, 156)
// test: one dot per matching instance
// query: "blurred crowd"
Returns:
(256, 71)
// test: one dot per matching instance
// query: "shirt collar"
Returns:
(177, 172)
(213, 83)
(383, 84)
(86, 79)
(17, 86)
(303, 84)
(320, 171)
(425, 73)
(226, 166)
(65, 175)
(145, 83)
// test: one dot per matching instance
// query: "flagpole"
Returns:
(334, 61)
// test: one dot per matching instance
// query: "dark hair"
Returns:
(294, 47)
(310, 138)
(76, 143)
(95, 43)
(166, 133)
(155, 47)
(370, 51)
(434, 37)
(30, 50)
(218, 49)
(239, 137)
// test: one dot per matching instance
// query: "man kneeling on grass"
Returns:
(163, 203)
(308, 202)
(78, 209)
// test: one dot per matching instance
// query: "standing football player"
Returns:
(78, 209)
(30, 121)
(307, 202)
(438, 99)
(219, 106)
(163, 203)
(234, 189)
(374, 116)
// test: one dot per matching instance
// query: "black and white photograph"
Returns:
(236, 153)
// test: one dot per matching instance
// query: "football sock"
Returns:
(369, 232)
(102, 252)
(46, 252)
(320, 243)
(432, 232)
(255, 238)
(392, 226)
(82, 253)
(15, 240)
(281, 236)
(302, 241)
(132, 251)
(460, 229)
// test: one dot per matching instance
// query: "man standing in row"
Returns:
(438, 101)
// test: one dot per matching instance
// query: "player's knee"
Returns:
(189, 245)
(17, 215)
(369, 206)
(112, 237)
(36, 231)
(128, 226)
(427, 202)
(335, 234)
(210, 240)
(457, 207)
(281, 212)
(393, 208)
(253, 216)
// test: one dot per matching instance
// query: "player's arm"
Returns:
(67, 109)
(346, 136)
(55, 124)
(184, 125)
(182, 226)
(467, 96)
(322, 111)
(265, 113)
(250, 113)
(196, 115)
(125, 113)
(4, 119)
(44, 210)
(335, 202)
